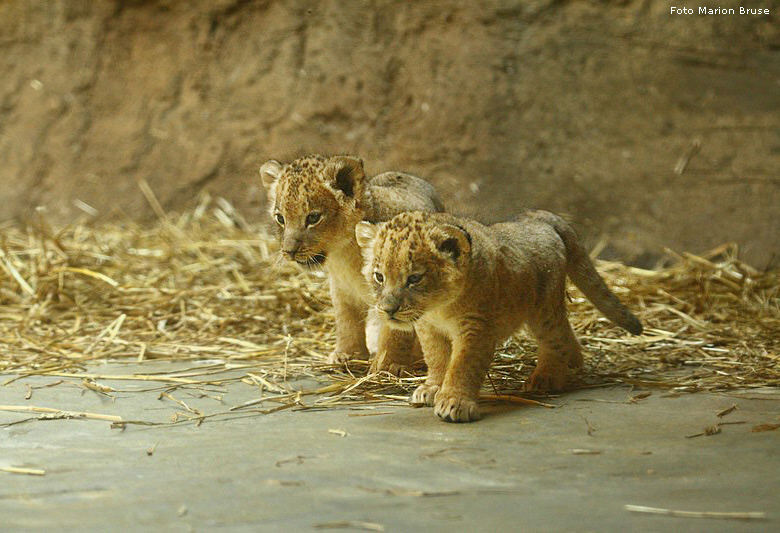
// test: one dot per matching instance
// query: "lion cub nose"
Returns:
(290, 252)
(391, 308)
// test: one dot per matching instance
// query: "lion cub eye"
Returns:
(379, 277)
(279, 219)
(313, 218)
(414, 279)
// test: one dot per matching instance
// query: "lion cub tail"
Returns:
(580, 269)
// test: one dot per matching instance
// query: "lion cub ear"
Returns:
(365, 233)
(270, 172)
(346, 174)
(451, 241)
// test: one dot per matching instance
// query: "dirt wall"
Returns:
(585, 108)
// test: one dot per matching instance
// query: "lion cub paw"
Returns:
(546, 379)
(385, 364)
(339, 357)
(456, 409)
(424, 395)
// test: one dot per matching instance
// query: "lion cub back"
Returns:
(546, 244)
(396, 192)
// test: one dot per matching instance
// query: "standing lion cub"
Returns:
(316, 201)
(464, 287)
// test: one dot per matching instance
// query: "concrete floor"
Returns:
(389, 467)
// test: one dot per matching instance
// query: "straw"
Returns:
(206, 285)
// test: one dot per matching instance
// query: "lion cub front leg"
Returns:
(398, 350)
(350, 328)
(436, 351)
(472, 354)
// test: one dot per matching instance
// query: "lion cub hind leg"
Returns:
(558, 350)
(397, 351)
(436, 350)
(471, 356)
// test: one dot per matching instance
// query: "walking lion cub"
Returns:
(464, 287)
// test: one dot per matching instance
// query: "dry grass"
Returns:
(207, 286)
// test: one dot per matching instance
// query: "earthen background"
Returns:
(581, 107)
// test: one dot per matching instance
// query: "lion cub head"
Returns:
(414, 263)
(316, 202)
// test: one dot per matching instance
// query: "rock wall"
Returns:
(582, 107)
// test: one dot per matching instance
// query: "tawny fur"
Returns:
(317, 201)
(465, 287)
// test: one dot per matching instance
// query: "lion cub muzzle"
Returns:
(394, 308)
(294, 249)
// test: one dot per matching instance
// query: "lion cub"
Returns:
(464, 287)
(316, 202)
